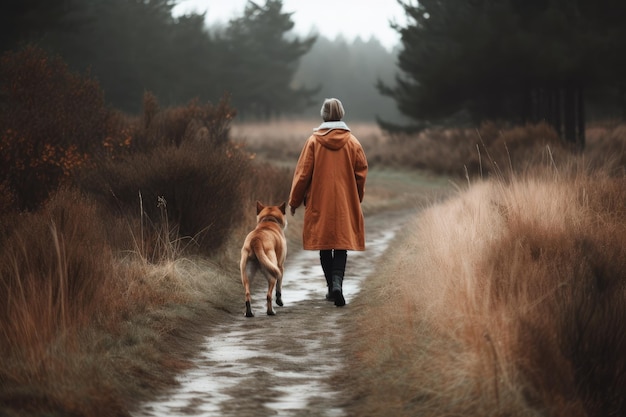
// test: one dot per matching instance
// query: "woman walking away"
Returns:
(330, 180)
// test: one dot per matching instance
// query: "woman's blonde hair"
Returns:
(332, 110)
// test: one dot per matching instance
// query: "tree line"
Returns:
(135, 46)
(559, 61)
(459, 61)
(268, 71)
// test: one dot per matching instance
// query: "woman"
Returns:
(330, 180)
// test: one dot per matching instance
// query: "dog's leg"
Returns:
(279, 288)
(247, 274)
(271, 283)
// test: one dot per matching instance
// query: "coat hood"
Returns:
(332, 135)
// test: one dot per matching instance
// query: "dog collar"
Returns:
(270, 219)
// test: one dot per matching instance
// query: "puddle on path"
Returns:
(280, 365)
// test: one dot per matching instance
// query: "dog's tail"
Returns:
(264, 259)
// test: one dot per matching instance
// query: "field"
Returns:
(503, 297)
(502, 300)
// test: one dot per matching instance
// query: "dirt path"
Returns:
(280, 365)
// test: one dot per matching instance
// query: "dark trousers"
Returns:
(333, 263)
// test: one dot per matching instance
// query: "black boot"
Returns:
(337, 291)
(326, 259)
(329, 295)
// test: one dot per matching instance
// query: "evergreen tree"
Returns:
(259, 61)
(127, 45)
(31, 20)
(518, 60)
(134, 46)
(196, 61)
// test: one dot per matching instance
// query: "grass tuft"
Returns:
(505, 300)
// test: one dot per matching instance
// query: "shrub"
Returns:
(515, 149)
(206, 123)
(193, 192)
(51, 122)
(491, 149)
(182, 181)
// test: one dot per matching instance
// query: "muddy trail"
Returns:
(279, 365)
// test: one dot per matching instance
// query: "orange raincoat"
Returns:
(330, 180)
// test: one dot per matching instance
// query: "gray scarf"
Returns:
(333, 125)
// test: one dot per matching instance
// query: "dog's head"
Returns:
(271, 214)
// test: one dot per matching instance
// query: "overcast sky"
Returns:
(350, 18)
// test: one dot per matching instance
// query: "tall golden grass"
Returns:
(86, 329)
(508, 299)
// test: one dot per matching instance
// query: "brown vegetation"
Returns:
(51, 122)
(507, 299)
(102, 285)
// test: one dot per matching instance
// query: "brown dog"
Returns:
(265, 249)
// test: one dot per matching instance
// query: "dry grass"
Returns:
(281, 141)
(84, 331)
(100, 312)
(606, 148)
(103, 303)
(489, 149)
(505, 300)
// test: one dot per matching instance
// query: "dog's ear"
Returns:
(259, 207)
(282, 207)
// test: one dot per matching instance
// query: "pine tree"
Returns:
(260, 59)
(516, 60)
